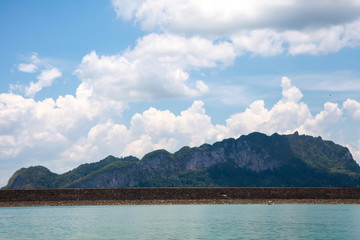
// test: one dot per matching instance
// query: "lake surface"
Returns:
(182, 222)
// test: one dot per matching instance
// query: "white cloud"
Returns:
(45, 79)
(36, 132)
(32, 66)
(258, 27)
(222, 17)
(319, 124)
(107, 138)
(64, 133)
(249, 120)
(323, 40)
(27, 124)
(191, 53)
(352, 107)
(269, 42)
(155, 129)
(126, 8)
(290, 93)
(286, 116)
(28, 68)
(150, 130)
(355, 151)
(156, 68)
(263, 42)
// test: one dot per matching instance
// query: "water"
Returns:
(182, 222)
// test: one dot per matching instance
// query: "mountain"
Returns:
(251, 160)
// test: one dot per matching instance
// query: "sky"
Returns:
(81, 80)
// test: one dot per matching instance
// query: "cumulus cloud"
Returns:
(36, 132)
(289, 114)
(27, 124)
(158, 67)
(286, 116)
(259, 27)
(72, 130)
(353, 108)
(155, 129)
(150, 130)
(318, 125)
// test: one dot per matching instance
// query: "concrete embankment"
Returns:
(177, 196)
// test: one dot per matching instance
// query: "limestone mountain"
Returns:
(251, 160)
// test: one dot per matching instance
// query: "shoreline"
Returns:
(178, 202)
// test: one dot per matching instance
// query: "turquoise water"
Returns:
(182, 222)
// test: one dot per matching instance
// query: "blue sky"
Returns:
(81, 80)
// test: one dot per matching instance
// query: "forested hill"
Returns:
(251, 160)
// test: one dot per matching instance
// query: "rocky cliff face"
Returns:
(255, 153)
(162, 164)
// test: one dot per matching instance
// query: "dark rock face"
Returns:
(254, 156)
(162, 164)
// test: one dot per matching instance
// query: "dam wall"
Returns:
(128, 194)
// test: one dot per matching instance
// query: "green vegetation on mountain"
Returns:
(190, 178)
(251, 160)
(33, 178)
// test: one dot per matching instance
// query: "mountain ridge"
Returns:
(250, 160)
